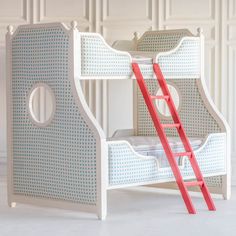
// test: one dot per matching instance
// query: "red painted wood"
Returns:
(183, 137)
(181, 154)
(171, 126)
(163, 138)
(160, 97)
(194, 183)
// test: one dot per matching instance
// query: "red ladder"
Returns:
(160, 128)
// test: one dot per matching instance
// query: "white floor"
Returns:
(133, 212)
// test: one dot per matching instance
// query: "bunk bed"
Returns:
(67, 161)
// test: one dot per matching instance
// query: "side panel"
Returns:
(128, 168)
(54, 165)
(183, 60)
(100, 60)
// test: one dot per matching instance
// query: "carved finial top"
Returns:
(136, 35)
(10, 29)
(199, 30)
(73, 24)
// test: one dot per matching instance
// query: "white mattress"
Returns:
(142, 57)
(151, 146)
(142, 60)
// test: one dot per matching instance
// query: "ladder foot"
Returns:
(212, 208)
(193, 213)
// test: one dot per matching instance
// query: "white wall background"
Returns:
(118, 19)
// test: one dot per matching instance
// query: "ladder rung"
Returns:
(194, 183)
(171, 125)
(182, 154)
(160, 97)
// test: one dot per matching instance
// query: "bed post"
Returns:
(9, 116)
(102, 180)
(101, 145)
(135, 40)
(226, 179)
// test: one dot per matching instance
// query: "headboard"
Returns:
(161, 41)
(195, 116)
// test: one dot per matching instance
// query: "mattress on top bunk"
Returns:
(151, 146)
(139, 57)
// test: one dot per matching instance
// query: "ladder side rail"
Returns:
(183, 136)
(176, 119)
(163, 139)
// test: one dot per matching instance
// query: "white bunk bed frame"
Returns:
(83, 51)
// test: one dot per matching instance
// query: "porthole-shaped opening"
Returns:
(161, 104)
(41, 104)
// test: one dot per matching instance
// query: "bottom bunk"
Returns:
(141, 160)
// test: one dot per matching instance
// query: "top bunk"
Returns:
(178, 52)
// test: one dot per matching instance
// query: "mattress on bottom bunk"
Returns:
(151, 146)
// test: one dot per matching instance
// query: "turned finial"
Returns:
(10, 29)
(199, 30)
(73, 24)
(136, 35)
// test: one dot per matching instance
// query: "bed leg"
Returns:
(226, 186)
(102, 213)
(12, 204)
(102, 206)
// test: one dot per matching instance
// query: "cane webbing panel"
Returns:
(59, 160)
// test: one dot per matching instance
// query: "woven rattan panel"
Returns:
(197, 121)
(154, 42)
(125, 167)
(57, 161)
(99, 60)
